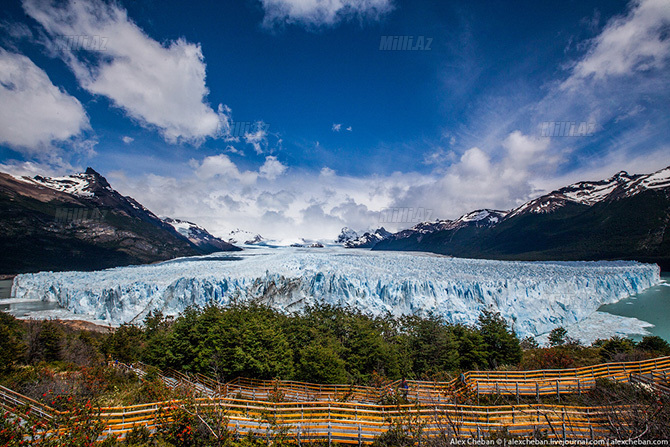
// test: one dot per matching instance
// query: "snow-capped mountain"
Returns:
(197, 235)
(483, 218)
(243, 237)
(80, 222)
(346, 235)
(622, 217)
(369, 239)
(479, 218)
(619, 186)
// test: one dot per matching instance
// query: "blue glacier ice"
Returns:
(535, 296)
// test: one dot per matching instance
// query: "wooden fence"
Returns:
(347, 414)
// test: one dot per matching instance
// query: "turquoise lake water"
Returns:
(652, 305)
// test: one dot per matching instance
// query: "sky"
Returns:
(295, 118)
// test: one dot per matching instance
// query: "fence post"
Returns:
(537, 391)
(517, 392)
(360, 436)
(299, 440)
(563, 433)
(558, 391)
(579, 387)
(330, 439)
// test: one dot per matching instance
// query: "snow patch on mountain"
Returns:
(75, 184)
(346, 235)
(369, 239)
(243, 237)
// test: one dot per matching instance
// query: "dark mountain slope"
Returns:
(80, 223)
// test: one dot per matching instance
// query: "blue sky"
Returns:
(284, 117)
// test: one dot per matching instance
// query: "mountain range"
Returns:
(80, 222)
(623, 217)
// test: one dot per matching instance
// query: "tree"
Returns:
(529, 343)
(502, 344)
(126, 344)
(654, 344)
(471, 348)
(557, 336)
(614, 347)
(321, 364)
(11, 345)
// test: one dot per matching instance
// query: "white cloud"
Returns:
(634, 42)
(337, 127)
(221, 167)
(159, 85)
(50, 168)
(258, 137)
(34, 111)
(126, 139)
(233, 150)
(318, 13)
(272, 168)
(349, 129)
(523, 150)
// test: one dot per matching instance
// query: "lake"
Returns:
(652, 305)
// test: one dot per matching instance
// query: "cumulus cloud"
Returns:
(320, 13)
(272, 168)
(159, 85)
(222, 167)
(34, 111)
(126, 139)
(337, 127)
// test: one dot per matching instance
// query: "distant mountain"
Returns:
(346, 235)
(198, 236)
(623, 217)
(368, 240)
(239, 237)
(80, 222)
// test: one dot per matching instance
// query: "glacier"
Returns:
(534, 296)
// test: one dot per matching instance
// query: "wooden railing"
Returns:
(360, 424)
(338, 413)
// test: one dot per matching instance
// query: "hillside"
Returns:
(624, 217)
(80, 222)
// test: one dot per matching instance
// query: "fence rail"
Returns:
(349, 414)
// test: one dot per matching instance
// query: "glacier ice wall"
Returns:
(535, 296)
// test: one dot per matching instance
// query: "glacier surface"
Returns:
(535, 296)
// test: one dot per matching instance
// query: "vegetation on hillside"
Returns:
(69, 369)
